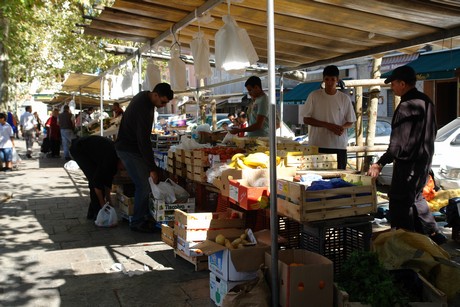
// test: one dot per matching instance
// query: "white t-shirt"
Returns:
(6, 133)
(336, 109)
(27, 121)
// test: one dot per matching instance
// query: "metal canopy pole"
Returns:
(272, 146)
(102, 106)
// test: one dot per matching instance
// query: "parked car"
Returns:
(446, 164)
(382, 132)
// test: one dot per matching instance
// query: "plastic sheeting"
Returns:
(234, 50)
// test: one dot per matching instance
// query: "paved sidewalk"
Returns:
(51, 255)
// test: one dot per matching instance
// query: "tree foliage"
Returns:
(43, 42)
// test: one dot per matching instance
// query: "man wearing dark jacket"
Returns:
(410, 150)
(134, 148)
(97, 158)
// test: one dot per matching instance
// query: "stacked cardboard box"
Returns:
(163, 212)
(231, 266)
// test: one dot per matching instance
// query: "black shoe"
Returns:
(29, 156)
(7, 169)
(68, 158)
(438, 238)
(145, 228)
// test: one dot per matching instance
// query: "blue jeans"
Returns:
(139, 172)
(6, 154)
(67, 136)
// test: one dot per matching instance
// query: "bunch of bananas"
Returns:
(252, 161)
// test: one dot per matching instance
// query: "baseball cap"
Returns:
(403, 73)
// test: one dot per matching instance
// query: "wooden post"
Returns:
(374, 92)
(359, 123)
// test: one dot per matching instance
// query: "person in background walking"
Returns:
(411, 149)
(28, 129)
(53, 133)
(6, 144)
(11, 119)
(66, 124)
(134, 148)
(329, 113)
(39, 125)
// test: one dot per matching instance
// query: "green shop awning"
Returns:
(299, 94)
(435, 65)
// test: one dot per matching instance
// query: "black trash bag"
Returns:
(46, 146)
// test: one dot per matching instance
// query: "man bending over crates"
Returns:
(97, 158)
(134, 148)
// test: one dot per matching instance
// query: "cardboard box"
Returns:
(219, 288)
(245, 196)
(303, 277)
(165, 212)
(308, 162)
(296, 202)
(233, 264)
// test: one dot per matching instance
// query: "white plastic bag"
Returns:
(177, 71)
(162, 191)
(180, 193)
(71, 166)
(16, 157)
(107, 217)
(152, 76)
(200, 52)
(234, 49)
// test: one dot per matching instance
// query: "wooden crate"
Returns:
(199, 173)
(188, 157)
(200, 158)
(180, 169)
(167, 235)
(180, 155)
(306, 206)
(200, 262)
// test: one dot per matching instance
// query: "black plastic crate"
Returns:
(290, 230)
(336, 239)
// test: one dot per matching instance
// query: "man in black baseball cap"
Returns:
(403, 73)
(410, 150)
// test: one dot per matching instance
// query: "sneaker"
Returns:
(144, 227)
(438, 238)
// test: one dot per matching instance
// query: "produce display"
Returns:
(240, 242)
(252, 161)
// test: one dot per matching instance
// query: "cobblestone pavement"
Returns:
(51, 255)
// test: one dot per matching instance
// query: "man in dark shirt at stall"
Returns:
(134, 148)
(410, 150)
(97, 158)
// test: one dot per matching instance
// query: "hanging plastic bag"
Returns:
(180, 193)
(177, 70)
(234, 49)
(107, 217)
(152, 76)
(200, 52)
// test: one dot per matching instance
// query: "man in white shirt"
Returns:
(6, 143)
(329, 113)
(28, 125)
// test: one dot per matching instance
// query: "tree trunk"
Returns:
(4, 27)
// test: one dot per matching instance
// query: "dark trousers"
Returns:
(408, 208)
(341, 156)
(55, 146)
